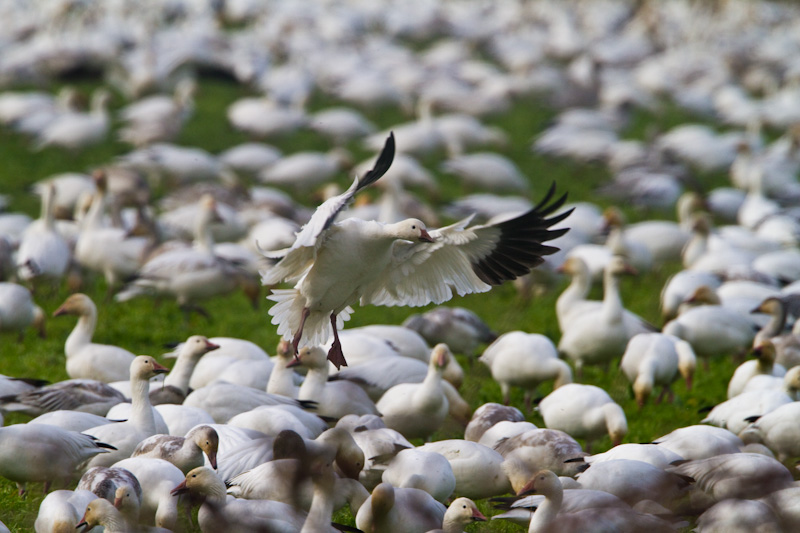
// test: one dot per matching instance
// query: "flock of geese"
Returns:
(282, 442)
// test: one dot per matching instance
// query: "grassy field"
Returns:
(144, 326)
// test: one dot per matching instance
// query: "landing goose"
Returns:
(125, 436)
(185, 452)
(86, 359)
(652, 359)
(459, 515)
(42, 453)
(377, 261)
(18, 311)
(397, 510)
(525, 360)
(584, 411)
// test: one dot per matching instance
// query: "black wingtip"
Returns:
(381, 165)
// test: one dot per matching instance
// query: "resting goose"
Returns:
(537, 448)
(763, 364)
(74, 130)
(223, 400)
(459, 328)
(42, 453)
(739, 516)
(459, 515)
(700, 441)
(88, 395)
(394, 264)
(548, 518)
(218, 513)
(477, 468)
(652, 359)
(61, 510)
(101, 512)
(417, 410)
(334, 399)
(525, 360)
(777, 430)
(421, 469)
(125, 436)
(185, 452)
(86, 359)
(486, 416)
(18, 311)
(397, 510)
(175, 386)
(584, 411)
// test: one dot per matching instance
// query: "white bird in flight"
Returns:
(338, 264)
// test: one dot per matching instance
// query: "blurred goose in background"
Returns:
(23, 447)
(85, 359)
(75, 131)
(125, 436)
(341, 124)
(250, 158)
(478, 469)
(525, 452)
(787, 346)
(525, 360)
(160, 117)
(189, 274)
(461, 329)
(262, 118)
(43, 255)
(488, 415)
(459, 515)
(652, 359)
(420, 469)
(681, 286)
(305, 170)
(486, 170)
(584, 411)
(739, 516)
(18, 311)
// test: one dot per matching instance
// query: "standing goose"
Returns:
(86, 359)
(186, 452)
(125, 436)
(18, 311)
(337, 265)
(43, 254)
(652, 359)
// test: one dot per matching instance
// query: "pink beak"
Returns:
(159, 369)
(424, 236)
(478, 516)
(211, 346)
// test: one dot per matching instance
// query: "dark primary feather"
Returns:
(520, 248)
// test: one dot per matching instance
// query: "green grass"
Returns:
(144, 326)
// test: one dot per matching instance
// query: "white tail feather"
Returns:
(288, 310)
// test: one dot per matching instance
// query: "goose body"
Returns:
(186, 453)
(777, 430)
(477, 468)
(338, 264)
(61, 510)
(584, 411)
(537, 448)
(397, 510)
(652, 359)
(43, 252)
(157, 478)
(18, 311)
(420, 469)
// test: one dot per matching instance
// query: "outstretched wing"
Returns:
(296, 259)
(463, 260)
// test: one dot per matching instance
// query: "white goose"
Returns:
(763, 364)
(459, 515)
(417, 410)
(535, 448)
(18, 311)
(334, 399)
(600, 333)
(584, 411)
(61, 510)
(421, 469)
(88, 395)
(477, 468)
(777, 430)
(157, 478)
(548, 517)
(125, 436)
(525, 360)
(305, 170)
(101, 512)
(486, 416)
(739, 516)
(85, 359)
(487, 170)
(369, 261)
(397, 510)
(75, 131)
(43, 253)
(652, 359)
(23, 447)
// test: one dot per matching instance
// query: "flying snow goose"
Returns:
(18, 311)
(185, 452)
(86, 359)
(41, 453)
(584, 411)
(652, 359)
(525, 360)
(394, 264)
(398, 510)
(142, 422)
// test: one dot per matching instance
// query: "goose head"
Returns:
(703, 295)
(765, 353)
(411, 229)
(619, 266)
(126, 502)
(463, 511)
(791, 382)
(574, 266)
(98, 512)
(76, 304)
(770, 306)
(349, 455)
(198, 345)
(145, 367)
(544, 482)
(312, 357)
(207, 439)
(382, 499)
(440, 357)
(201, 481)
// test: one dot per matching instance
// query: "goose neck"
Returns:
(141, 409)
(776, 323)
(612, 302)
(181, 373)
(81, 335)
(314, 384)
(547, 511)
